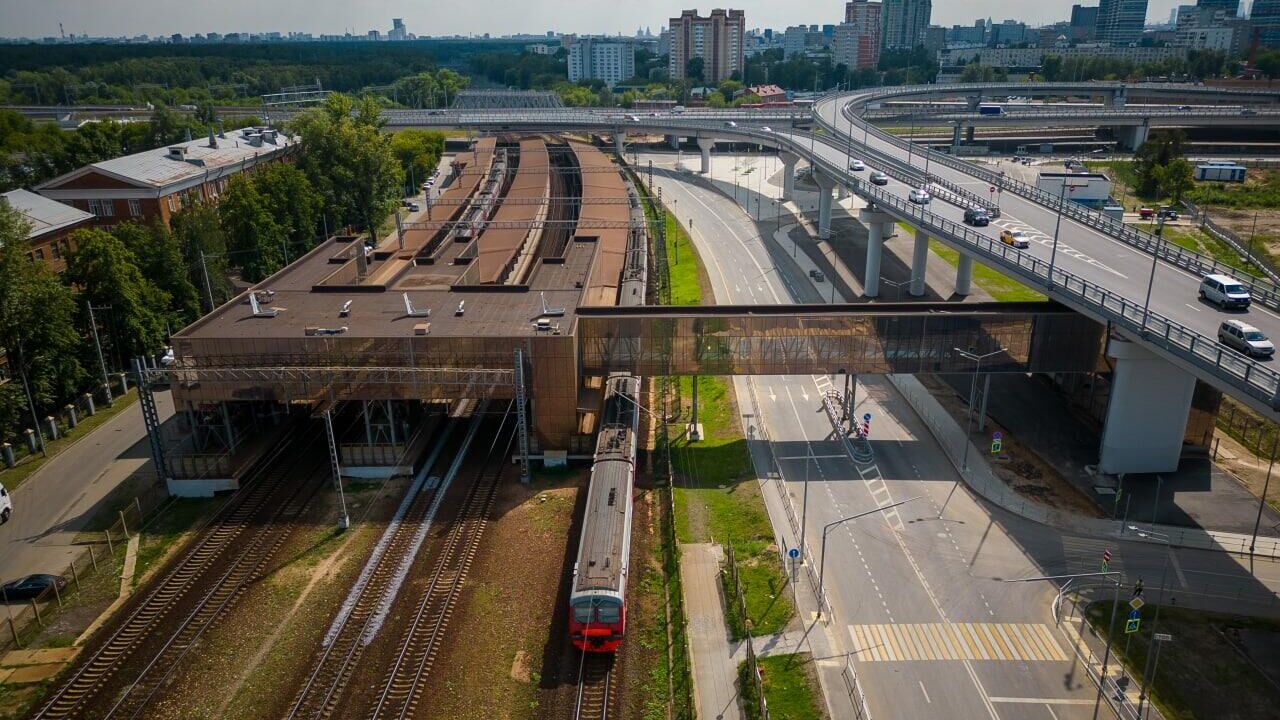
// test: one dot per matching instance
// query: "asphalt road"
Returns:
(941, 560)
(1081, 250)
(51, 507)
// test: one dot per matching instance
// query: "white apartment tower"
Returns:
(904, 23)
(606, 59)
(717, 39)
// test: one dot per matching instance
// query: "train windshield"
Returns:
(597, 610)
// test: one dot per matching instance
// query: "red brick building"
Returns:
(52, 224)
(157, 183)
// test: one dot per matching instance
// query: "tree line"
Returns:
(146, 280)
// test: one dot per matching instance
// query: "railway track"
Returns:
(345, 644)
(240, 538)
(402, 688)
(595, 686)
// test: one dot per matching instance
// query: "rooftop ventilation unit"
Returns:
(411, 311)
(549, 311)
(462, 308)
(258, 312)
(346, 309)
(177, 152)
(213, 140)
(326, 331)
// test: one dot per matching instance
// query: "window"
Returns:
(582, 612)
(108, 208)
(55, 251)
(95, 207)
(40, 254)
(135, 208)
(173, 205)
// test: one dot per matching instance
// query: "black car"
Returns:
(879, 178)
(32, 585)
(977, 217)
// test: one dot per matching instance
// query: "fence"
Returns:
(1242, 247)
(65, 421)
(104, 553)
(1258, 435)
(760, 705)
(854, 686)
(1117, 678)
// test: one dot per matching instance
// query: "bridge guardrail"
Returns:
(1264, 292)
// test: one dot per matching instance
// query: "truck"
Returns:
(986, 109)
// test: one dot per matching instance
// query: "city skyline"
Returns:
(496, 17)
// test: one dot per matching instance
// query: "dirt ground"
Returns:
(1248, 469)
(1018, 465)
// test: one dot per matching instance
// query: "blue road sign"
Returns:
(866, 418)
(1134, 615)
(997, 435)
(793, 553)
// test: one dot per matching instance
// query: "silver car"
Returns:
(1246, 338)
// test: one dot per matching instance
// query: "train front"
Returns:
(597, 621)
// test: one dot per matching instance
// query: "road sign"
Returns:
(1136, 604)
(793, 553)
(866, 418)
(1134, 614)
(1163, 637)
(1131, 626)
(995, 447)
(997, 436)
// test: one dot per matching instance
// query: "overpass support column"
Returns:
(1147, 413)
(964, 274)
(1133, 137)
(919, 258)
(970, 133)
(825, 186)
(705, 145)
(1118, 98)
(877, 224)
(620, 141)
(957, 135)
(674, 141)
(788, 174)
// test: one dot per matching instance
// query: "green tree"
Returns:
(418, 151)
(255, 240)
(694, 68)
(1154, 154)
(197, 229)
(37, 328)
(106, 274)
(165, 125)
(293, 203)
(1175, 179)
(159, 257)
(349, 160)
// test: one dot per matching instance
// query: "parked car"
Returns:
(857, 166)
(414, 207)
(1015, 238)
(1245, 338)
(1224, 291)
(879, 178)
(817, 275)
(919, 196)
(1169, 214)
(6, 505)
(25, 588)
(977, 217)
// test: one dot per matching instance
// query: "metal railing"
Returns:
(1264, 291)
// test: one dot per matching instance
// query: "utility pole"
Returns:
(93, 323)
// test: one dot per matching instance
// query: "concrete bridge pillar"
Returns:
(788, 174)
(674, 141)
(919, 258)
(1118, 98)
(957, 135)
(825, 186)
(970, 133)
(964, 275)
(705, 145)
(878, 224)
(1132, 137)
(974, 101)
(1147, 414)
(620, 141)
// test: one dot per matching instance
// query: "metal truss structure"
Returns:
(506, 100)
(338, 383)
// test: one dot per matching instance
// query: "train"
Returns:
(598, 598)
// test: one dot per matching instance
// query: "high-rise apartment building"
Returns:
(856, 43)
(904, 23)
(1232, 7)
(609, 59)
(1265, 19)
(1121, 21)
(1084, 22)
(716, 39)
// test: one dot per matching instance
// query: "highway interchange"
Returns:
(909, 567)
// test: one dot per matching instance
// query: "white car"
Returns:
(6, 505)
(919, 196)
(857, 166)
(730, 124)
(766, 128)
(633, 118)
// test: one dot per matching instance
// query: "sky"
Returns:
(40, 18)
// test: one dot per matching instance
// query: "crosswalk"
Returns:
(898, 642)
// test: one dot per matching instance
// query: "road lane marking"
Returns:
(926, 692)
(1041, 701)
(917, 642)
(1193, 307)
(1177, 569)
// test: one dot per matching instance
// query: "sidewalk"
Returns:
(982, 480)
(55, 503)
(715, 671)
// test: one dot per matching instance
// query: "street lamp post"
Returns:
(1155, 260)
(102, 363)
(1148, 674)
(1106, 655)
(1053, 253)
(826, 529)
(973, 393)
(897, 287)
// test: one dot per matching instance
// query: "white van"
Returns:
(1224, 291)
(677, 109)
(6, 505)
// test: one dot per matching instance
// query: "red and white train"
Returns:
(598, 599)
